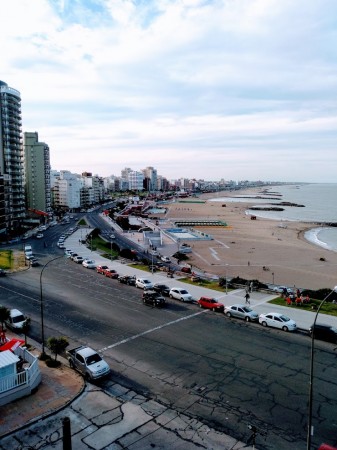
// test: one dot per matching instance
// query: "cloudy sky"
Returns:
(233, 89)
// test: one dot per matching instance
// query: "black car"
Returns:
(162, 289)
(2, 273)
(324, 332)
(127, 279)
(153, 298)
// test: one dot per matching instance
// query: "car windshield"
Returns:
(183, 291)
(18, 319)
(284, 318)
(93, 359)
(246, 309)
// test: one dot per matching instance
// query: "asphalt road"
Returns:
(225, 372)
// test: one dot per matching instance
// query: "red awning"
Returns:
(12, 344)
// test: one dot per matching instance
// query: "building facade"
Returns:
(37, 173)
(11, 157)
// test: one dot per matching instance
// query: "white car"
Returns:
(78, 259)
(277, 320)
(180, 294)
(16, 319)
(143, 283)
(39, 236)
(89, 264)
(165, 259)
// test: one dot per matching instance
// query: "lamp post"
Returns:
(41, 300)
(310, 431)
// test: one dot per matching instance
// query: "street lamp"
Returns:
(310, 431)
(226, 279)
(41, 299)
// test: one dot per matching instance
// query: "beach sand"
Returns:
(246, 246)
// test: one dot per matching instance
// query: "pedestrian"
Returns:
(251, 287)
(247, 297)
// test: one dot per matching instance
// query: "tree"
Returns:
(57, 345)
(4, 315)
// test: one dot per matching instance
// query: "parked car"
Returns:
(143, 283)
(16, 319)
(39, 236)
(277, 320)
(89, 264)
(34, 262)
(153, 298)
(127, 279)
(78, 259)
(61, 245)
(73, 255)
(2, 273)
(324, 332)
(242, 312)
(162, 289)
(68, 253)
(101, 269)
(180, 294)
(111, 273)
(165, 259)
(210, 303)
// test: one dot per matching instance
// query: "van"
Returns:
(16, 319)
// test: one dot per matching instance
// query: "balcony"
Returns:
(24, 381)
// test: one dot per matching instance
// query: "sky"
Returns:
(205, 89)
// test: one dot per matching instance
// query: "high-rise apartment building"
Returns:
(11, 156)
(37, 173)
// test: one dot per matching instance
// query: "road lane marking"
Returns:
(131, 338)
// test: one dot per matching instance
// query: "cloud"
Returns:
(195, 88)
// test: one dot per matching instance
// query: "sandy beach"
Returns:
(246, 246)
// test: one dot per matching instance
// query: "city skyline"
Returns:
(205, 89)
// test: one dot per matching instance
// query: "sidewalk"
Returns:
(59, 387)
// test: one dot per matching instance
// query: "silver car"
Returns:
(241, 312)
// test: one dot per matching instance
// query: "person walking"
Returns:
(247, 297)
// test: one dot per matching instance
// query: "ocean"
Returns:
(320, 206)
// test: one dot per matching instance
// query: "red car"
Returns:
(210, 303)
(110, 273)
(101, 269)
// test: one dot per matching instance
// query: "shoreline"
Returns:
(246, 246)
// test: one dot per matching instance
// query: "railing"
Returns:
(27, 376)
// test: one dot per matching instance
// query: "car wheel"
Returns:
(247, 319)
(171, 296)
(228, 314)
(285, 328)
(71, 364)
(264, 324)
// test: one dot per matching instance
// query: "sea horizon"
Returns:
(319, 208)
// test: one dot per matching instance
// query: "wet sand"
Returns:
(246, 246)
